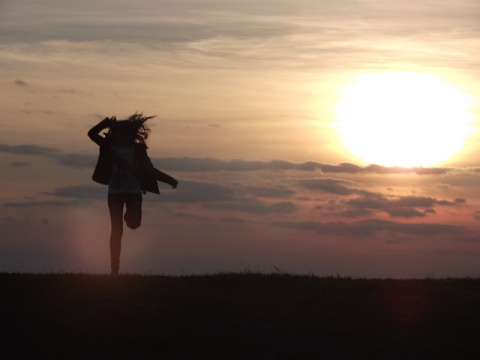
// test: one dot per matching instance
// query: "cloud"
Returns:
(188, 192)
(331, 186)
(382, 202)
(346, 34)
(82, 192)
(378, 169)
(373, 227)
(80, 196)
(199, 192)
(80, 161)
(476, 215)
(354, 213)
(188, 216)
(403, 206)
(234, 220)
(19, 164)
(30, 204)
(405, 212)
(245, 198)
(417, 201)
(19, 82)
(220, 197)
(29, 149)
(69, 159)
(210, 164)
(253, 206)
(210, 196)
(189, 164)
(270, 191)
(152, 23)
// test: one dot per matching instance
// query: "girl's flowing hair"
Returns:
(134, 125)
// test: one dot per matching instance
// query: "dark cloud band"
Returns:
(189, 164)
(373, 227)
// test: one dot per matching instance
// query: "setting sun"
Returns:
(403, 119)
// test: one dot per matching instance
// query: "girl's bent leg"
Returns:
(133, 214)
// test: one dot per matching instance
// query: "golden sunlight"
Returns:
(403, 119)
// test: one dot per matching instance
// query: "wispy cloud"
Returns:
(221, 197)
(322, 34)
(19, 82)
(254, 206)
(270, 191)
(34, 203)
(19, 164)
(367, 203)
(29, 149)
(77, 160)
(211, 164)
(403, 206)
(66, 159)
(374, 227)
(331, 186)
(81, 192)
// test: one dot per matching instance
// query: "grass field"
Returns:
(237, 316)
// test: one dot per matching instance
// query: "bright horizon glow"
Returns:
(403, 119)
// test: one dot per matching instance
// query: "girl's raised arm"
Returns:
(93, 133)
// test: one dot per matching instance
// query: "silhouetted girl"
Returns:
(123, 165)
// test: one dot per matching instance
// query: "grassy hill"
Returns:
(237, 316)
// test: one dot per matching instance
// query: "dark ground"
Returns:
(237, 316)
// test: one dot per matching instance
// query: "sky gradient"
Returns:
(244, 93)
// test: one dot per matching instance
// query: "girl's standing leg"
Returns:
(115, 205)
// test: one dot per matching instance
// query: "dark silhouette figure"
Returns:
(123, 164)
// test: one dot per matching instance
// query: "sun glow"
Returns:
(403, 119)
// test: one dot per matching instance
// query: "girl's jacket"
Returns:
(147, 175)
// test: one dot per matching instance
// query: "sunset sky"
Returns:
(249, 97)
